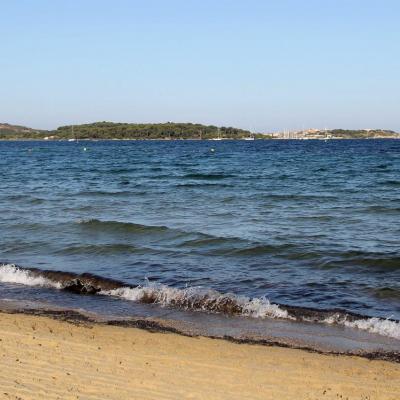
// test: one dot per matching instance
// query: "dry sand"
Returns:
(41, 358)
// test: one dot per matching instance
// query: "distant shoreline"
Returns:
(189, 139)
(180, 131)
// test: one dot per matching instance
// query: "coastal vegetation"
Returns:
(168, 130)
(113, 130)
(174, 131)
(12, 132)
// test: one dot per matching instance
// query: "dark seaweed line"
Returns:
(149, 325)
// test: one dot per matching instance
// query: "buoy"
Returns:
(212, 150)
(84, 149)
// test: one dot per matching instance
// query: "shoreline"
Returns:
(46, 358)
(192, 139)
(164, 326)
(205, 314)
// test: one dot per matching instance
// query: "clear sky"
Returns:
(258, 64)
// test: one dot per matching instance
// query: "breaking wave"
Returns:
(199, 299)
(384, 327)
(193, 299)
(12, 274)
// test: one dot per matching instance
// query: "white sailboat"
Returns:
(219, 136)
(74, 139)
(250, 137)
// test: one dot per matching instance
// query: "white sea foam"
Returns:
(384, 327)
(213, 301)
(12, 274)
(201, 300)
(262, 307)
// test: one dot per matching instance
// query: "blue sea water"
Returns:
(302, 223)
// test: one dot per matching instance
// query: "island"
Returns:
(178, 131)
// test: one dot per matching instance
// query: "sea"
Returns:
(287, 240)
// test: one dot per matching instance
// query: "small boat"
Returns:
(250, 137)
(219, 136)
(75, 138)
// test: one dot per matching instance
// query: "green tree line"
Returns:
(169, 130)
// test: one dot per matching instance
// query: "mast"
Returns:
(73, 133)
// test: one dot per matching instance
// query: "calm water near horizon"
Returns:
(301, 223)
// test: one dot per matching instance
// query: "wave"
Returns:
(11, 274)
(193, 299)
(260, 249)
(233, 246)
(202, 185)
(184, 239)
(387, 293)
(380, 261)
(121, 170)
(209, 240)
(297, 197)
(383, 261)
(322, 218)
(16, 197)
(390, 182)
(210, 176)
(383, 209)
(99, 225)
(199, 299)
(105, 193)
(104, 249)
(383, 327)
(36, 200)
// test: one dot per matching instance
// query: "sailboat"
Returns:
(251, 135)
(219, 136)
(74, 139)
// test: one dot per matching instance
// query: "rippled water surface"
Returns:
(306, 223)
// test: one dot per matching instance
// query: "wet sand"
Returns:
(43, 358)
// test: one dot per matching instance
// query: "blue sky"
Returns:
(263, 65)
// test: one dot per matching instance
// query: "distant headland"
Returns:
(178, 131)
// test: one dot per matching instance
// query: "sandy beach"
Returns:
(43, 358)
